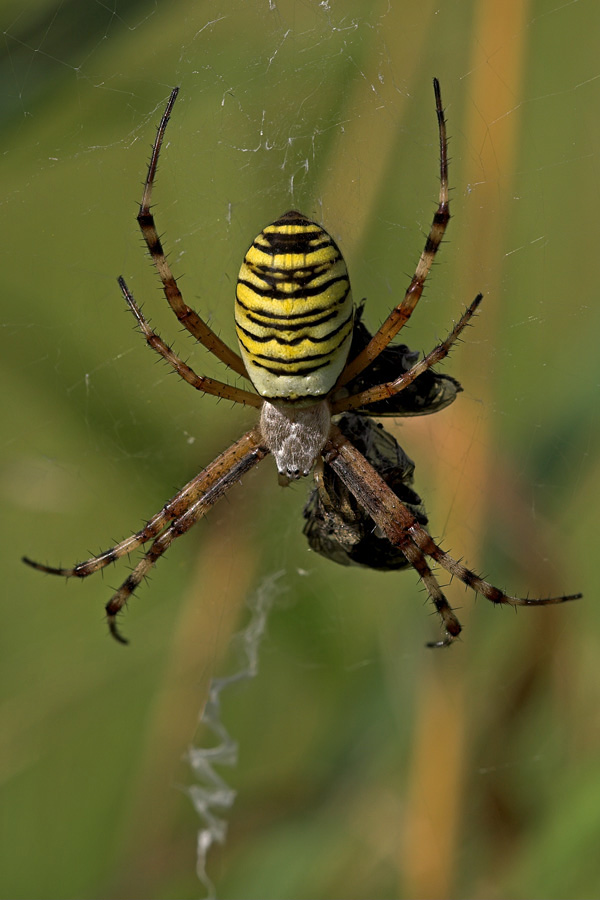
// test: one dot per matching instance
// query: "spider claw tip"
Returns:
(114, 631)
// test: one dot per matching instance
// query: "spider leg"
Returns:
(401, 313)
(495, 595)
(390, 514)
(200, 382)
(403, 530)
(383, 391)
(417, 560)
(221, 479)
(245, 448)
(186, 315)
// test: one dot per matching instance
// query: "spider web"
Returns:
(326, 107)
(211, 793)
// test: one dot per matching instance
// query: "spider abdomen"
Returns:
(294, 310)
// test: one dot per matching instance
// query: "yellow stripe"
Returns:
(293, 310)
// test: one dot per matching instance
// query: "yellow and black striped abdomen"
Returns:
(293, 310)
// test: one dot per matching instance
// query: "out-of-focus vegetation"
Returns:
(369, 766)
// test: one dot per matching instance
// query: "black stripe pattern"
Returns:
(294, 310)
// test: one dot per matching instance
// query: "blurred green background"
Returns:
(369, 766)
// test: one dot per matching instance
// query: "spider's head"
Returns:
(295, 436)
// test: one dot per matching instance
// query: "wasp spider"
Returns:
(295, 325)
